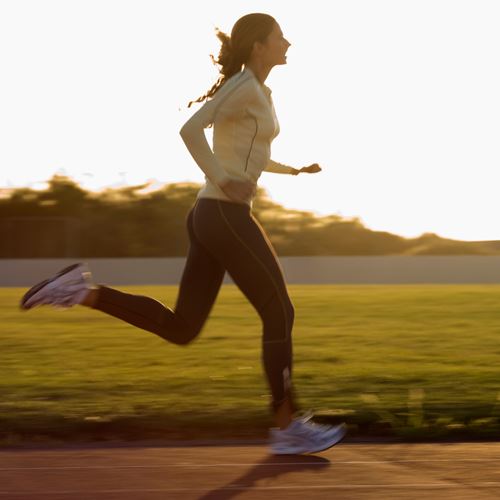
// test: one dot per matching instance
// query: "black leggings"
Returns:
(223, 236)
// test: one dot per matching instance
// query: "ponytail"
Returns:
(229, 61)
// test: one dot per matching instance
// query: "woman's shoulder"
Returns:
(243, 82)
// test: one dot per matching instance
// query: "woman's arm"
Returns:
(229, 100)
(280, 168)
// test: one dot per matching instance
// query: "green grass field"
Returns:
(416, 362)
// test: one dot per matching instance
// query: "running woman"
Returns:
(223, 233)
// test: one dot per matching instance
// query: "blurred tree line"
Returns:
(65, 220)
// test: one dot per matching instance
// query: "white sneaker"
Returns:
(65, 289)
(304, 436)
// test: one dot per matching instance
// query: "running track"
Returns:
(247, 471)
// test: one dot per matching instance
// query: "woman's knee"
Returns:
(183, 333)
(184, 339)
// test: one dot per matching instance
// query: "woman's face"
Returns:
(275, 47)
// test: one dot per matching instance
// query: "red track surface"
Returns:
(347, 471)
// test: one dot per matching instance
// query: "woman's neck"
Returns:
(260, 71)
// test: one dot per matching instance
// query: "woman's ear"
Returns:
(257, 48)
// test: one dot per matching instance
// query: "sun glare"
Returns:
(397, 101)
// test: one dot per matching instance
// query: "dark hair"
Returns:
(236, 50)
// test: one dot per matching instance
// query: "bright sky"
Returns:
(397, 100)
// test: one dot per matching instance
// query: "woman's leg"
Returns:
(230, 231)
(200, 284)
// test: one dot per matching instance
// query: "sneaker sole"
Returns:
(297, 451)
(36, 288)
(343, 435)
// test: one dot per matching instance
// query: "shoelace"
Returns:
(306, 419)
(63, 295)
(319, 427)
(307, 430)
(308, 427)
(59, 294)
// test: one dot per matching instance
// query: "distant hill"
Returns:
(67, 221)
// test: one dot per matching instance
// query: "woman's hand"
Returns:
(311, 169)
(239, 191)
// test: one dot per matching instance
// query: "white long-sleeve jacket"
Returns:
(244, 125)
